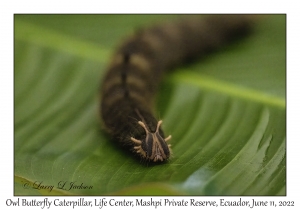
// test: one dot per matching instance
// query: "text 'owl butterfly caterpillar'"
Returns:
(136, 70)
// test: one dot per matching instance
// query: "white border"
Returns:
(8, 8)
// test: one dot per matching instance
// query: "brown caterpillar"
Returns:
(136, 70)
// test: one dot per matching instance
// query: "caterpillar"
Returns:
(137, 67)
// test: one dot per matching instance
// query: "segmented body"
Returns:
(138, 66)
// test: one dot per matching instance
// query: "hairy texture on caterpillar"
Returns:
(129, 87)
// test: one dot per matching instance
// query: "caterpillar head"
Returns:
(154, 147)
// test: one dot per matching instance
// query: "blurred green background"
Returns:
(226, 113)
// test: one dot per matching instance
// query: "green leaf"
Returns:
(226, 113)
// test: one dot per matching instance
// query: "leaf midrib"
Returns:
(48, 38)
